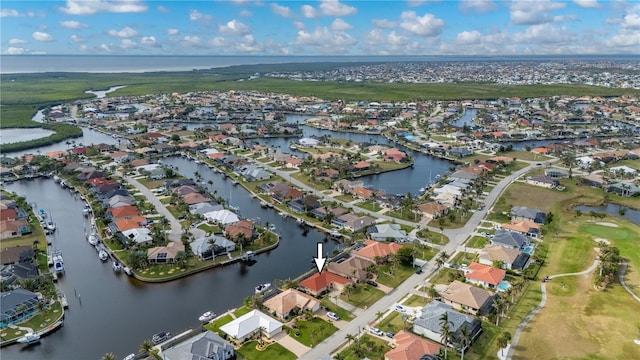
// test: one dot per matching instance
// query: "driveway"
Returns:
(290, 344)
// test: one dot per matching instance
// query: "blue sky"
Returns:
(328, 27)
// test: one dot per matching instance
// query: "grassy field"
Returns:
(362, 296)
(400, 274)
(215, 325)
(331, 306)
(415, 300)
(312, 332)
(376, 351)
(392, 323)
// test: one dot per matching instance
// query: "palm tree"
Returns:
(465, 340)
(498, 303)
(261, 332)
(432, 293)
(445, 333)
(146, 347)
(350, 338)
(441, 259)
(108, 356)
(379, 315)
(164, 222)
(503, 341)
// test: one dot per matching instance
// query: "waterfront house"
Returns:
(242, 228)
(119, 200)
(136, 236)
(346, 186)
(352, 222)
(624, 189)
(122, 212)
(249, 325)
(511, 259)
(556, 172)
(205, 207)
(17, 304)
(253, 173)
(206, 345)
(459, 152)
(376, 250)
(222, 217)
(428, 323)
(484, 275)
(195, 198)
(291, 302)
(433, 209)
(324, 211)
(126, 224)
(595, 180)
(353, 268)
(320, 283)
(13, 228)
(525, 213)
(164, 254)
(387, 232)
(463, 175)
(408, 346)
(305, 204)
(15, 254)
(206, 248)
(510, 239)
(467, 298)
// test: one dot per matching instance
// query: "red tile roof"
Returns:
(317, 282)
(484, 273)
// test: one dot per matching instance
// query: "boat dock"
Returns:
(63, 299)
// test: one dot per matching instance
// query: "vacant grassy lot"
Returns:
(375, 350)
(392, 323)
(362, 296)
(395, 277)
(331, 306)
(313, 332)
(415, 300)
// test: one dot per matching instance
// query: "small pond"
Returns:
(613, 210)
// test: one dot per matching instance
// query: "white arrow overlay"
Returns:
(320, 260)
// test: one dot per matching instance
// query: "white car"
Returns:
(333, 316)
(376, 331)
(400, 308)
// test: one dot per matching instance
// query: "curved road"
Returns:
(456, 238)
(543, 301)
(623, 269)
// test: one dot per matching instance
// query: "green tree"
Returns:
(146, 347)
(503, 341)
(405, 255)
(465, 341)
(445, 331)
(108, 356)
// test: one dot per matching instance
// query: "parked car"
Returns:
(400, 308)
(376, 331)
(160, 337)
(333, 316)
(389, 334)
(419, 270)
(372, 283)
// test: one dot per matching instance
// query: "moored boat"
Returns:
(208, 316)
(30, 338)
(117, 267)
(262, 288)
(103, 255)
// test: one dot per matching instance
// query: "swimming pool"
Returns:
(503, 285)
(528, 250)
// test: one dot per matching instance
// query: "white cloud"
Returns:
(217, 41)
(325, 40)
(234, 27)
(299, 25)
(544, 34)
(126, 32)
(382, 42)
(384, 23)
(9, 13)
(468, 37)
(245, 13)
(148, 41)
(72, 24)
(191, 40)
(128, 44)
(631, 21)
(309, 12)
(41, 36)
(162, 9)
(479, 6)
(105, 48)
(587, 3)
(195, 15)
(16, 50)
(335, 8)
(340, 25)
(172, 31)
(15, 41)
(78, 7)
(426, 25)
(283, 11)
(525, 12)
(76, 39)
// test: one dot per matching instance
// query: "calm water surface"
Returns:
(115, 313)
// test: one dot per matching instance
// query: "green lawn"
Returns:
(477, 242)
(443, 277)
(274, 351)
(375, 350)
(392, 323)
(415, 300)
(400, 274)
(331, 306)
(215, 325)
(242, 310)
(362, 296)
(311, 333)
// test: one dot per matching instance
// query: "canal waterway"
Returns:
(89, 137)
(116, 313)
(10, 136)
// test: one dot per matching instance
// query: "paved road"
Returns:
(456, 238)
(623, 269)
(543, 301)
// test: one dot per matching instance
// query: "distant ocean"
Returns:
(13, 64)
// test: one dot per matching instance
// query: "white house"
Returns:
(206, 345)
(249, 324)
(139, 236)
(222, 217)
